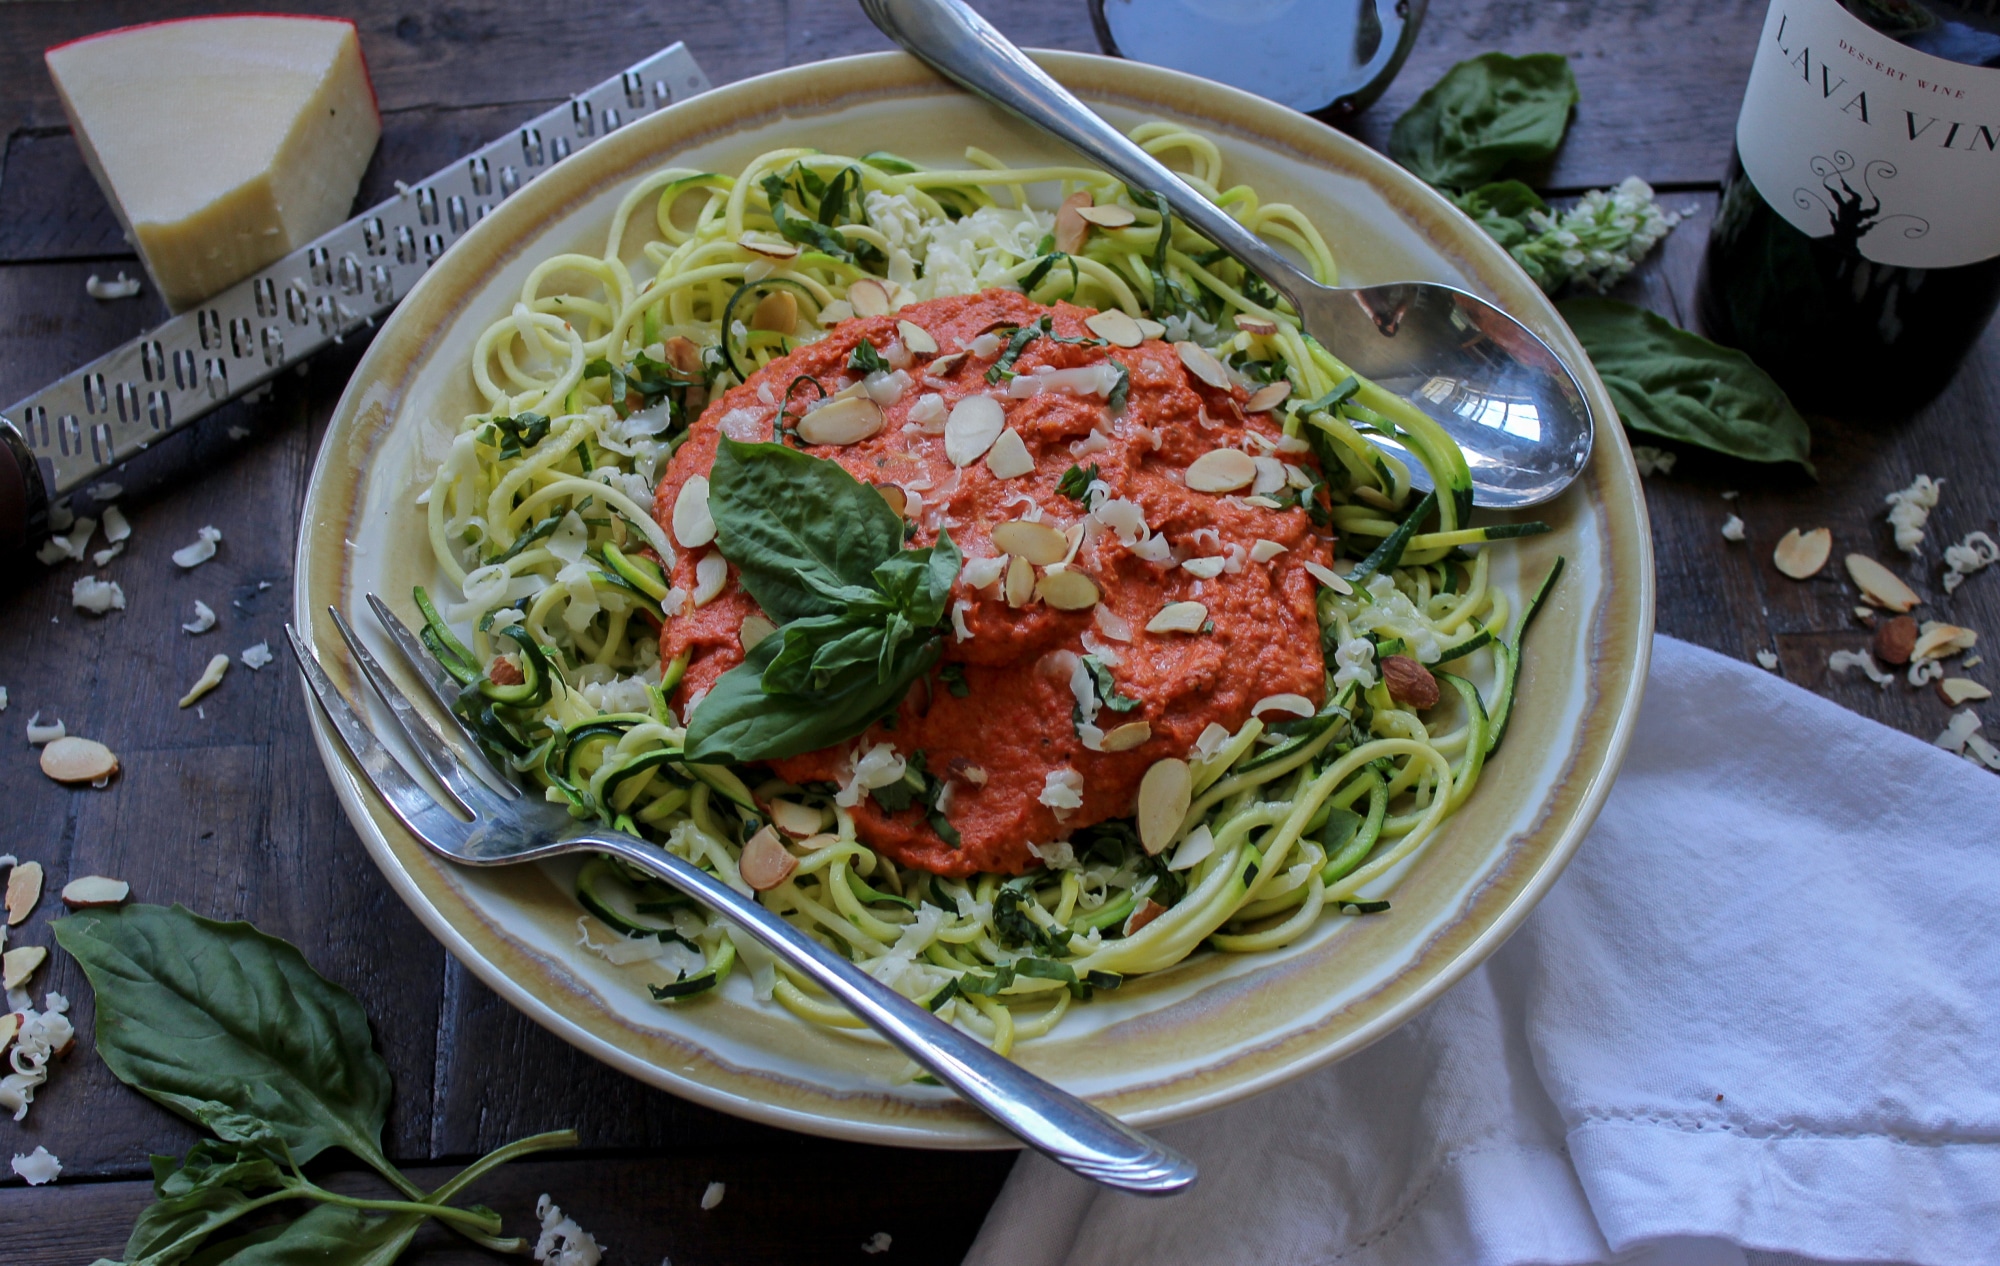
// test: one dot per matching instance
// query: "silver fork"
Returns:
(482, 824)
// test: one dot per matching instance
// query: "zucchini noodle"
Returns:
(540, 519)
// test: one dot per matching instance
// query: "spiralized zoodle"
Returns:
(541, 519)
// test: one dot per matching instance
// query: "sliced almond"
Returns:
(974, 423)
(944, 365)
(1880, 585)
(894, 497)
(24, 889)
(916, 338)
(1151, 328)
(847, 421)
(1114, 327)
(1071, 227)
(1222, 470)
(95, 890)
(1148, 910)
(1957, 690)
(73, 759)
(16, 965)
(1039, 543)
(777, 312)
(796, 820)
(694, 526)
(1268, 397)
(1329, 577)
(766, 862)
(1068, 591)
(1801, 555)
(1255, 324)
(1108, 215)
(1179, 617)
(754, 629)
(1009, 457)
(1264, 551)
(1020, 582)
(1202, 364)
(1164, 794)
(870, 298)
(768, 247)
(1127, 736)
(684, 355)
(1941, 641)
(10, 1028)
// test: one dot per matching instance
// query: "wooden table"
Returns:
(229, 811)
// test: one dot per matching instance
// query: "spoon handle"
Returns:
(964, 48)
(1076, 1134)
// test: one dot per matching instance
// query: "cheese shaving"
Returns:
(39, 734)
(1975, 553)
(96, 595)
(204, 618)
(39, 1166)
(1963, 725)
(563, 1242)
(122, 288)
(201, 551)
(1653, 461)
(1732, 529)
(1909, 508)
(711, 1195)
(43, 1035)
(255, 657)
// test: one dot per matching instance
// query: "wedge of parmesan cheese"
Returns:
(223, 143)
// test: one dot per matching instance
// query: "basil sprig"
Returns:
(1483, 115)
(1669, 382)
(859, 615)
(233, 1030)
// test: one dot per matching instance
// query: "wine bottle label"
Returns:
(1850, 135)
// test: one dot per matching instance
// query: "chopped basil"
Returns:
(1075, 482)
(1016, 930)
(1107, 687)
(1116, 400)
(1017, 342)
(866, 360)
(953, 676)
(518, 434)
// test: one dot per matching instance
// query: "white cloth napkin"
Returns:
(1757, 1021)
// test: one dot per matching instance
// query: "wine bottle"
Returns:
(1856, 251)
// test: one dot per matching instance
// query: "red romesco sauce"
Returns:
(1016, 722)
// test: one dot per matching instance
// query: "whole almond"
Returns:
(1410, 682)
(1894, 639)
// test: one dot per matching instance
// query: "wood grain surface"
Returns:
(226, 808)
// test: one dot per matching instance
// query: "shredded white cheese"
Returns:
(877, 767)
(1963, 725)
(43, 1035)
(1653, 461)
(1841, 661)
(563, 1242)
(711, 1195)
(710, 575)
(116, 528)
(1354, 660)
(1767, 660)
(104, 556)
(204, 618)
(1976, 552)
(1062, 791)
(1909, 508)
(1732, 529)
(122, 288)
(876, 1243)
(201, 551)
(37, 1167)
(39, 734)
(96, 595)
(255, 657)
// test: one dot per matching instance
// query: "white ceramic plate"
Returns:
(1215, 1028)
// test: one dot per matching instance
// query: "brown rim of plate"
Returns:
(1615, 640)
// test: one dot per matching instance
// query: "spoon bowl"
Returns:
(1501, 393)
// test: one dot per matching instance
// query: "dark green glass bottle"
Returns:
(1856, 251)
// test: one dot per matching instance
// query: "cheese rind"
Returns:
(223, 143)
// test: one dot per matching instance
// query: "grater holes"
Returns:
(186, 376)
(482, 176)
(406, 245)
(298, 304)
(128, 403)
(510, 180)
(94, 398)
(456, 212)
(384, 284)
(433, 247)
(427, 205)
(374, 238)
(102, 450)
(531, 147)
(635, 90)
(69, 436)
(579, 113)
(267, 297)
(217, 377)
(350, 274)
(152, 362)
(274, 346)
(159, 410)
(321, 266)
(240, 341)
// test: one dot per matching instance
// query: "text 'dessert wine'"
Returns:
(1856, 251)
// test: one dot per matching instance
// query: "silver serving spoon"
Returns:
(1497, 389)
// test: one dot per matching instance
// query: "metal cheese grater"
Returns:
(77, 428)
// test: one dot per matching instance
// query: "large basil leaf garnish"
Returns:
(1484, 114)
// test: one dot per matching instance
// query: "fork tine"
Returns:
(414, 807)
(416, 727)
(441, 686)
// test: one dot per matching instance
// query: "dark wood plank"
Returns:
(814, 1203)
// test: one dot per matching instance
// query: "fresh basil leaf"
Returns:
(172, 1228)
(1669, 382)
(798, 528)
(219, 1022)
(326, 1235)
(1484, 114)
(738, 721)
(1502, 208)
(866, 360)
